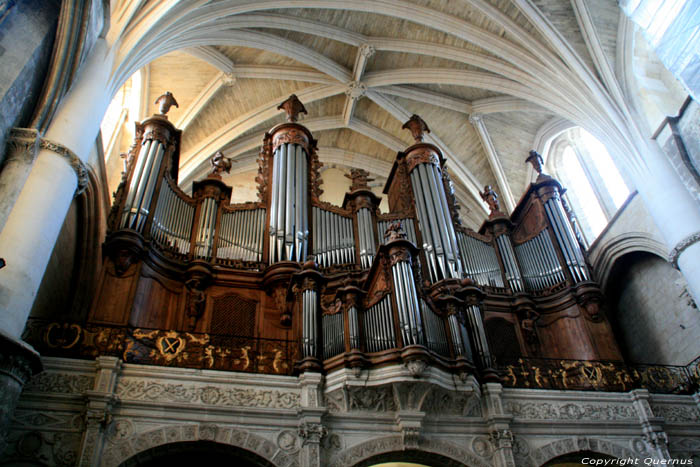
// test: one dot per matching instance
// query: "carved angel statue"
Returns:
(293, 107)
(491, 199)
(536, 160)
(165, 101)
(394, 232)
(417, 127)
(220, 163)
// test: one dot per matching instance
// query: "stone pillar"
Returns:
(22, 149)
(34, 222)
(653, 435)
(498, 425)
(311, 429)
(675, 212)
(35, 218)
(98, 411)
(18, 361)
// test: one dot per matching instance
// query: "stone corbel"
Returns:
(409, 423)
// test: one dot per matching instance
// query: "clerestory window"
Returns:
(595, 189)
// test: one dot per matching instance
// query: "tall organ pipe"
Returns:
(509, 262)
(289, 203)
(440, 239)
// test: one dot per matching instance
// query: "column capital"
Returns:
(78, 165)
(367, 50)
(23, 144)
(476, 118)
(677, 250)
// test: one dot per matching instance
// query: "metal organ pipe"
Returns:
(378, 324)
(509, 262)
(478, 335)
(435, 222)
(142, 184)
(288, 204)
(566, 239)
(310, 327)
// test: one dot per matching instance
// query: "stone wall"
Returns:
(104, 412)
(655, 318)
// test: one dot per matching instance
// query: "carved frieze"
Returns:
(676, 413)
(377, 399)
(221, 396)
(570, 411)
(62, 383)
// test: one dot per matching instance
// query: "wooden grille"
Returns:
(233, 315)
(503, 340)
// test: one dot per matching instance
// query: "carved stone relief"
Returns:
(677, 413)
(63, 383)
(139, 389)
(380, 399)
(569, 445)
(569, 411)
(116, 453)
(56, 449)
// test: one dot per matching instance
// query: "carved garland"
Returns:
(78, 166)
(681, 247)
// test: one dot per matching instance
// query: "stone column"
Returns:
(98, 411)
(653, 435)
(34, 222)
(18, 361)
(311, 429)
(498, 425)
(22, 149)
(674, 211)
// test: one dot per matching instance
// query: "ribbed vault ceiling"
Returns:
(363, 67)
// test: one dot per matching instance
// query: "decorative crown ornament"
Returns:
(417, 127)
(359, 178)
(165, 101)
(293, 107)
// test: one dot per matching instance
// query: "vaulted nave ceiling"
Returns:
(488, 76)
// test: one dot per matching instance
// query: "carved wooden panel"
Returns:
(114, 294)
(532, 223)
(156, 304)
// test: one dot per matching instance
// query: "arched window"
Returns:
(595, 189)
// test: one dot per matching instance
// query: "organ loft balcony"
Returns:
(288, 284)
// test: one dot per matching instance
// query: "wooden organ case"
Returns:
(289, 283)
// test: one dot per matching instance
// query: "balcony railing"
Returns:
(163, 347)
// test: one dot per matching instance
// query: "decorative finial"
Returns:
(491, 199)
(394, 232)
(417, 127)
(360, 178)
(536, 160)
(293, 107)
(165, 101)
(219, 163)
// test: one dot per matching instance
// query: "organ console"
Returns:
(305, 285)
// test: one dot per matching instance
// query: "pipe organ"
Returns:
(340, 286)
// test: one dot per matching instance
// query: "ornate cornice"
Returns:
(681, 247)
(78, 166)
